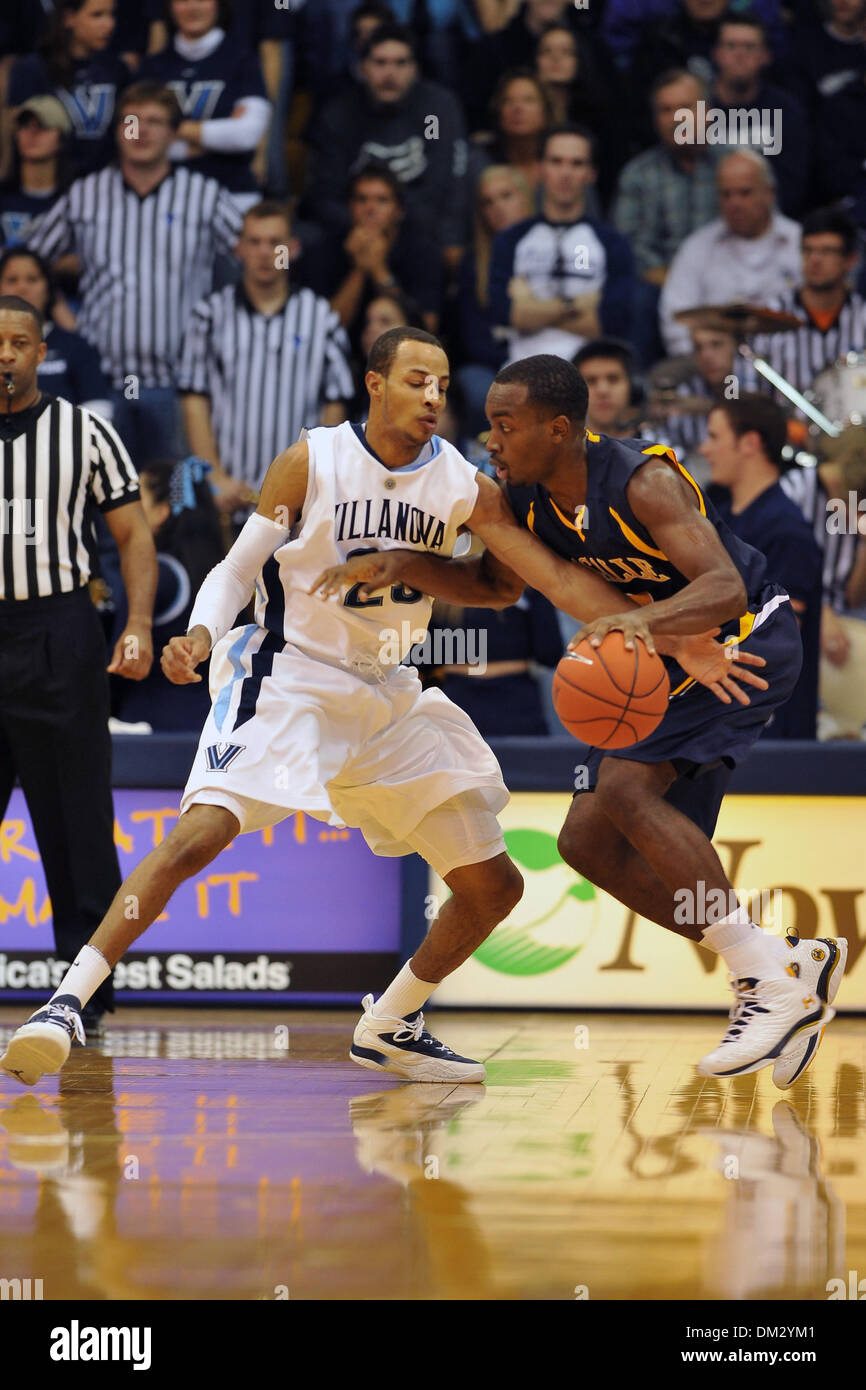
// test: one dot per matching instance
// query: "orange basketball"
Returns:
(610, 697)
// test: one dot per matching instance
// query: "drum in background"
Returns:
(840, 391)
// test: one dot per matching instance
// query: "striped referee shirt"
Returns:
(804, 487)
(267, 376)
(145, 262)
(801, 353)
(57, 460)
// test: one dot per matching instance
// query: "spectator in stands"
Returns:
(751, 253)
(260, 361)
(521, 114)
(73, 62)
(841, 139)
(389, 309)
(816, 491)
(608, 367)
(441, 26)
(365, 20)
(38, 167)
(827, 53)
(744, 443)
(380, 252)
(715, 368)
(562, 277)
(668, 191)
(146, 236)
(502, 198)
(220, 91)
(179, 508)
(394, 118)
(625, 24)
(70, 367)
(834, 315)
(740, 90)
(684, 39)
(582, 85)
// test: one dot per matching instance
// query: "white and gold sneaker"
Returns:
(820, 964)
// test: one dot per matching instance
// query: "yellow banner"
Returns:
(795, 861)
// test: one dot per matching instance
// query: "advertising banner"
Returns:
(297, 912)
(796, 861)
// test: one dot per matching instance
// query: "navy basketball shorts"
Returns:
(705, 739)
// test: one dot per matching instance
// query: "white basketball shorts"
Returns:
(288, 733)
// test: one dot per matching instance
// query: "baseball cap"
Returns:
(49, 112)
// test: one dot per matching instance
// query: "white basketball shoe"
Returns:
(403, 1047)
(42, 1044)
(768, 1018)
(820, 965)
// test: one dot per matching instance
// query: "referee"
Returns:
(259, 362)
(59, 462)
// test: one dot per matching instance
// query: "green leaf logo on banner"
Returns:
(554, 918)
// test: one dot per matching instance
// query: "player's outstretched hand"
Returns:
(378, 570)
(631, 625)
(719, 668)
(181, 655)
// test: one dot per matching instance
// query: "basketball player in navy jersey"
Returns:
(308, 688)
(631, 513)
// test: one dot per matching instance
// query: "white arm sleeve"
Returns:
(238, 134)
(228, 587)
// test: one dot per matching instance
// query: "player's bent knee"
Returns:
(198, 837)
(505, 890)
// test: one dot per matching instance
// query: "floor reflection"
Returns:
(239, 1159)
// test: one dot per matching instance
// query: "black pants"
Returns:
(54, 737)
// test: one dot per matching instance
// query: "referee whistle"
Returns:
(10, 383)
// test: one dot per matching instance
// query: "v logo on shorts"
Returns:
(221, 755)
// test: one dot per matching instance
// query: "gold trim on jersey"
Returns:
(667, 453)
(572, 525)
(634, 539)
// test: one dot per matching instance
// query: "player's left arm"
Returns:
(667, 506)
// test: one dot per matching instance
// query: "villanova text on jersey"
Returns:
(364, 520)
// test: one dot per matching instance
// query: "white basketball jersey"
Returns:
(354, 504)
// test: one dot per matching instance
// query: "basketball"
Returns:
(610, 697)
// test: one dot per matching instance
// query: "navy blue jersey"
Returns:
(90, 100)
(208, 90)
(71, 368)
(606, 537)
(20, 211)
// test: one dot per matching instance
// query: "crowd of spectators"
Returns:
(217, 207)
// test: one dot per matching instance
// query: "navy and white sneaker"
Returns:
(820, 964)
(768, 1019)
(403, 1047)
(42, 1044)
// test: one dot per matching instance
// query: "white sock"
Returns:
(404, 995)
(747, 950)
(84, 975)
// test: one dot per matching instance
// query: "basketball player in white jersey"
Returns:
(312, 710)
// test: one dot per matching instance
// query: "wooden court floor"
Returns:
(238, 1155)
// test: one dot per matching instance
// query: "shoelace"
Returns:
(365, 664)
(746, 1004)
(416, 1032)
(64, 1014)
